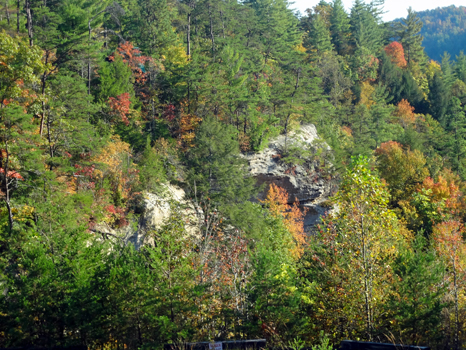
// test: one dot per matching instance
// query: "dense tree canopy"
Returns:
(104, 105)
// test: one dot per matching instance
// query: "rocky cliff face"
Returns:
(156, 209)
(299, 163)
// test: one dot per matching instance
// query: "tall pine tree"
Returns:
(408, 33)
(339, 27)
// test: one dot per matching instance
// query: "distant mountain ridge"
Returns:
(444, 30)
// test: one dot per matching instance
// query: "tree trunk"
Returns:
(212, 32)
(89, 61)
(286, 129)
(88, 52)
(18, 7)
(7, 12)
(367, 293)
(29, 22)
(189, 97)
(49, 139)
(7, 188)
(153, 119)
(188, 37)
(223, 25)
(89, 76)
(457, 320)
(42, 118)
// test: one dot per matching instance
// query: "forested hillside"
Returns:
(444, 30)
(104, 104)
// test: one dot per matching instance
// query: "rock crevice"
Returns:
(299, 163)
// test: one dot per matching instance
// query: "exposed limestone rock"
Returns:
(157, 206)
(156, 209)
(298, 163)
(305, 177)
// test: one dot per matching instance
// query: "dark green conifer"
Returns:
(438, 97)
(416, 304)
(460, 67)
(152, 28)
(455, 125)
(408, 33)
(216, 172)
(319, 37)
(339, 27)
(365, 28)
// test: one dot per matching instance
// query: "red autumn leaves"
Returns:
(120, 106)
(396, 53)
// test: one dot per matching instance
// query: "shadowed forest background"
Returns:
(103, 103)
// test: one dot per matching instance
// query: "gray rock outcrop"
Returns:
(156, 209)
(299, 163)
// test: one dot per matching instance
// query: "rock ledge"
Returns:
(307, 180)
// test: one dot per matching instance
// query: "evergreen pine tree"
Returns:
(339, 27)
(455, 125)
(460, 67)
(362, 125)
(319, 40)
(416, 304)
(448, 71)
(438, 97)
(152, 28)
(275, 28)
(391, 76)
(115, 79)
(365, 29)
(411, 92)
(216, 172)
(408, 33)
(381, 112)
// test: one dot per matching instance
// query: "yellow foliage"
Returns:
(118, 167)
(71, 184)
(420, 77)
(366, 94)
(300, 48)
(432, 68)
(23, 213)
(403, 169)
(176, 54)
(111, 155)
(291, 216)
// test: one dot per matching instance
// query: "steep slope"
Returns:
(306, 178)
(444, 30)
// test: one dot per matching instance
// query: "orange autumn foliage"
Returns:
(405, 113)
(448, 237)
(135, 60)
(402, 169)
(120, 106)
(396, 53)
(116, 165)
(291, 216)
(141, 66)
(182, 124)
(12, 174)
(445, 190)
(188, 123)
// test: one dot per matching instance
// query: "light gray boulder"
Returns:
(299, 163)
(156, 210)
